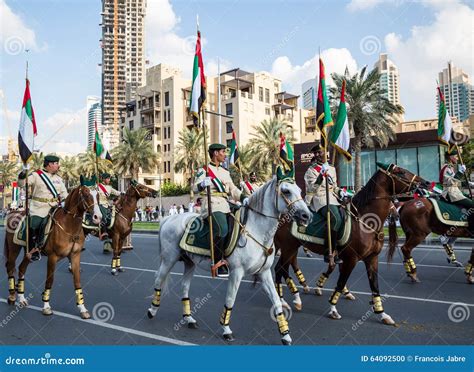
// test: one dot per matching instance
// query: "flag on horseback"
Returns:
(286, 156)
(198, 90)
(340, 134)
(444, 121)
(234, 151)
(27, 131)
(323, 110)
(99, 148)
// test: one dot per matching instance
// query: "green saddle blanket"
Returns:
(315, 232)
(196, 236)
(448, 213)
(19, 235)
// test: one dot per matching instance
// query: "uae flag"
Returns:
(340, 135)
(198, 90)
(99, 148)
(234, 151)
(323, 111)
(27, 131)
(286, 153)
(445, 125)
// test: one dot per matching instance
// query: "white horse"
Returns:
(253, 256)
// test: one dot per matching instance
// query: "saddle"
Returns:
(315, 232)
(196, 235)
(448, 213)
(108, 214)
(19, 234)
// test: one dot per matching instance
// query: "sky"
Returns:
(60, 39)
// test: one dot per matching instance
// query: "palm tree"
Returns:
(246, 165)
(87, 164)
(135, 152)
(69, 171)
(36, 160)
(371, 115)
(266, 144)
(8, 173)
(189, 154)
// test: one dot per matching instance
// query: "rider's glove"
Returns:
(462, 168)
(206, 182)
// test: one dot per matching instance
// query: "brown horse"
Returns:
(125, 211)
(418, 219)
(368, 209)
(65, 239)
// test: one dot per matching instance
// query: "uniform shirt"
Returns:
(39, 190)
(218, 197)
(253, 185)
(105, 200)
(316, 187)
(451, 183)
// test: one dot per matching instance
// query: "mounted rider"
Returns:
(222, 188)
(250, 183)
(451, 178)
(107, 194)
(315, 183)
(47, 191)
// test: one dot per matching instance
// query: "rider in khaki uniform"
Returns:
(106, 196)
(222, 188)
(316, 194)
(250, 185)
(47, 191)
(451, 176)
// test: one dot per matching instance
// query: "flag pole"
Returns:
(25, 167)
(465, 175)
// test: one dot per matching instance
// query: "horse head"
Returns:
(89, 198)
(403, 180)
(143, 191)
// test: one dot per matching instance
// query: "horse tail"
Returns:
(392, 234)
(255, 281)
(5, 248)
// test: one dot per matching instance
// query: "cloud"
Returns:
(293, 76)
(211, 66)
(15, 35)
(357, 5)
(422, 55)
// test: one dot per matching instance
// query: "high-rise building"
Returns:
(310, 94)
(94, 116)
(458, 92)
(389, 78)
(122, 59)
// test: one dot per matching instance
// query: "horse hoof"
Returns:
(388, 321)
(349, 296)
(229, 337)
(457, 263)
(298, 306)
(414, 278)
(47, 311)
(114, 272)
(334, 315)
(105, 251)
(11, 302)
(149, 314)
(306, 289)
(193, 325)
(470, 279)
(121, 270)
(286, 342)
(285, 305)
(85, 315)
(318, 291)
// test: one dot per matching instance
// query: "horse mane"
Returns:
(256, 200)
(367, 193)
(67, 202)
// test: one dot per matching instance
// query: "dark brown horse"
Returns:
(369, 209)
(418, 219)
(65, 239)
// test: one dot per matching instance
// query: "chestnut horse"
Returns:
(418, 219)
(65, 239)
(369, 208)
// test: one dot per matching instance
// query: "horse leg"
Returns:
(372, 267)
(345, 270)
(186, 282)
(277, 307)
(76, 274)
(235, 277)
(161, 276)
(116, 254)
(299, 274)
(449, 249)
(408, 262)
(120, 269)
(12, 254)
(468, 269)
(322, 280)
(291, 284)
(20, 288)
(52, 261)
(281, 270)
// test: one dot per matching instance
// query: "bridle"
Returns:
(82, 200)
(394, 178)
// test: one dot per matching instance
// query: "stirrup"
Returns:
(217, 265)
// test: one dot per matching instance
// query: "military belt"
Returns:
(44, 200)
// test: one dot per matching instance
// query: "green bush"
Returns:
(172, 189)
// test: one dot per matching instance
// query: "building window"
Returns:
(167, 98)
(169, 115)
(229, 128)
(228, 108)
(130, 124)
(260, 94)
(267, 95)
(267, 110)
(229, 143)
(169, 132)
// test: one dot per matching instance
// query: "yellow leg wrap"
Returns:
(114, 263)
(407, 267)
(345, 290)
(468, 269)
(300, 277)
(118, 262)
(79, 297)
(282, 324)
(377, 302)
(157, 298)
(225, 316)
(322, 279)
(411, 262)
(279, 289)
(186, 306)
(11, 284)
(21, 286)
(46, 295)
(291, 285)
(450, 252)
(334, 297)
